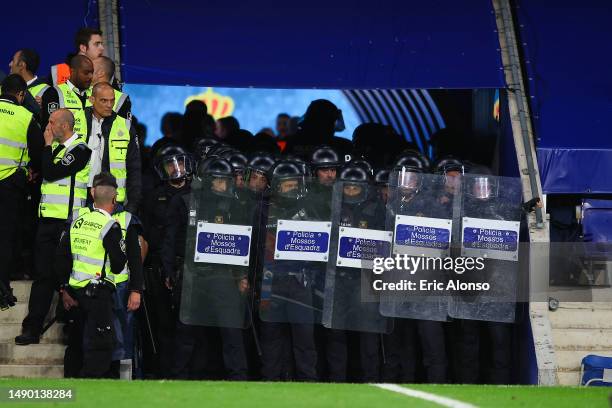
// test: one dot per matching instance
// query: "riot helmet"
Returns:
(452, 169)
(257, 174)
(220, 176)
(203, 146)
(325, 162)
(354, 180)
(288, 180)
(173, 164)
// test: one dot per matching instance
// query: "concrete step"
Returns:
(569, 378)
(590, 318)
(17, 313)
(569, 360)
(50, 354)
(582, 339)
(31, 371)
(8, 332)
(21, 290)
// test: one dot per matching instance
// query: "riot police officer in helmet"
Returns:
(286, 304)
(174, 166)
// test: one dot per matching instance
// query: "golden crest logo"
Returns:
(219, 106)
(218, 219)
(363, 224)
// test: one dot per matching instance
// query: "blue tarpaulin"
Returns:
(344, 44)
(567, 50)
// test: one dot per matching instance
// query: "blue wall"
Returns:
(342, 44)
(567, 49)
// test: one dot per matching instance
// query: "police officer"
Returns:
(257, 174)
(104, 71)
(114, 144)
(287, 190)
(92, 254)
(70, 95)
(482, 194)
(25, 63)
(218, 179)
(175, 167)
(325, 163)
(401, 346)
(239, 162)
(360, 209)
(20, 147)
(64, 189)
(381, 180)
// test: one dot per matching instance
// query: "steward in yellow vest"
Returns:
(115, 144)
(70, 95)
(91, 255)
(20, 134)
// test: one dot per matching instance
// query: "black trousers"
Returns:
(498, 370)
(12, 204)
(45, 281)
(91, 336)
(192, 344)
(301, 338)
(401, 350)
(336, 353)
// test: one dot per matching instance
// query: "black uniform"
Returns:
(292, 281)
(47, 238)
(401, 346)
(162, 317)
(499, 366)
(188, 336)
(368, 214)
(91, 333)
(13, 191)
(132, 160)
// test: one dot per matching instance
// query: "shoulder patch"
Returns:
(68, 159)
(52, 107)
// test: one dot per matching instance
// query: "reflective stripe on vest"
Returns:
(14, 123)
(86, 245)
(118, 141)
(70, 100)
(55, 195)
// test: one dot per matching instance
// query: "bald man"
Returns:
(113, 140)
(71, 95)
(64, 189)
(104, 71)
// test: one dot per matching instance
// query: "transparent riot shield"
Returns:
(420, 214)
(490, 229)
(358, 236)
(298, 231)
(216, 286)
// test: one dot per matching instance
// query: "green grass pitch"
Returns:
(186, 394)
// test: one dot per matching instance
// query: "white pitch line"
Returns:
(446, 402)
